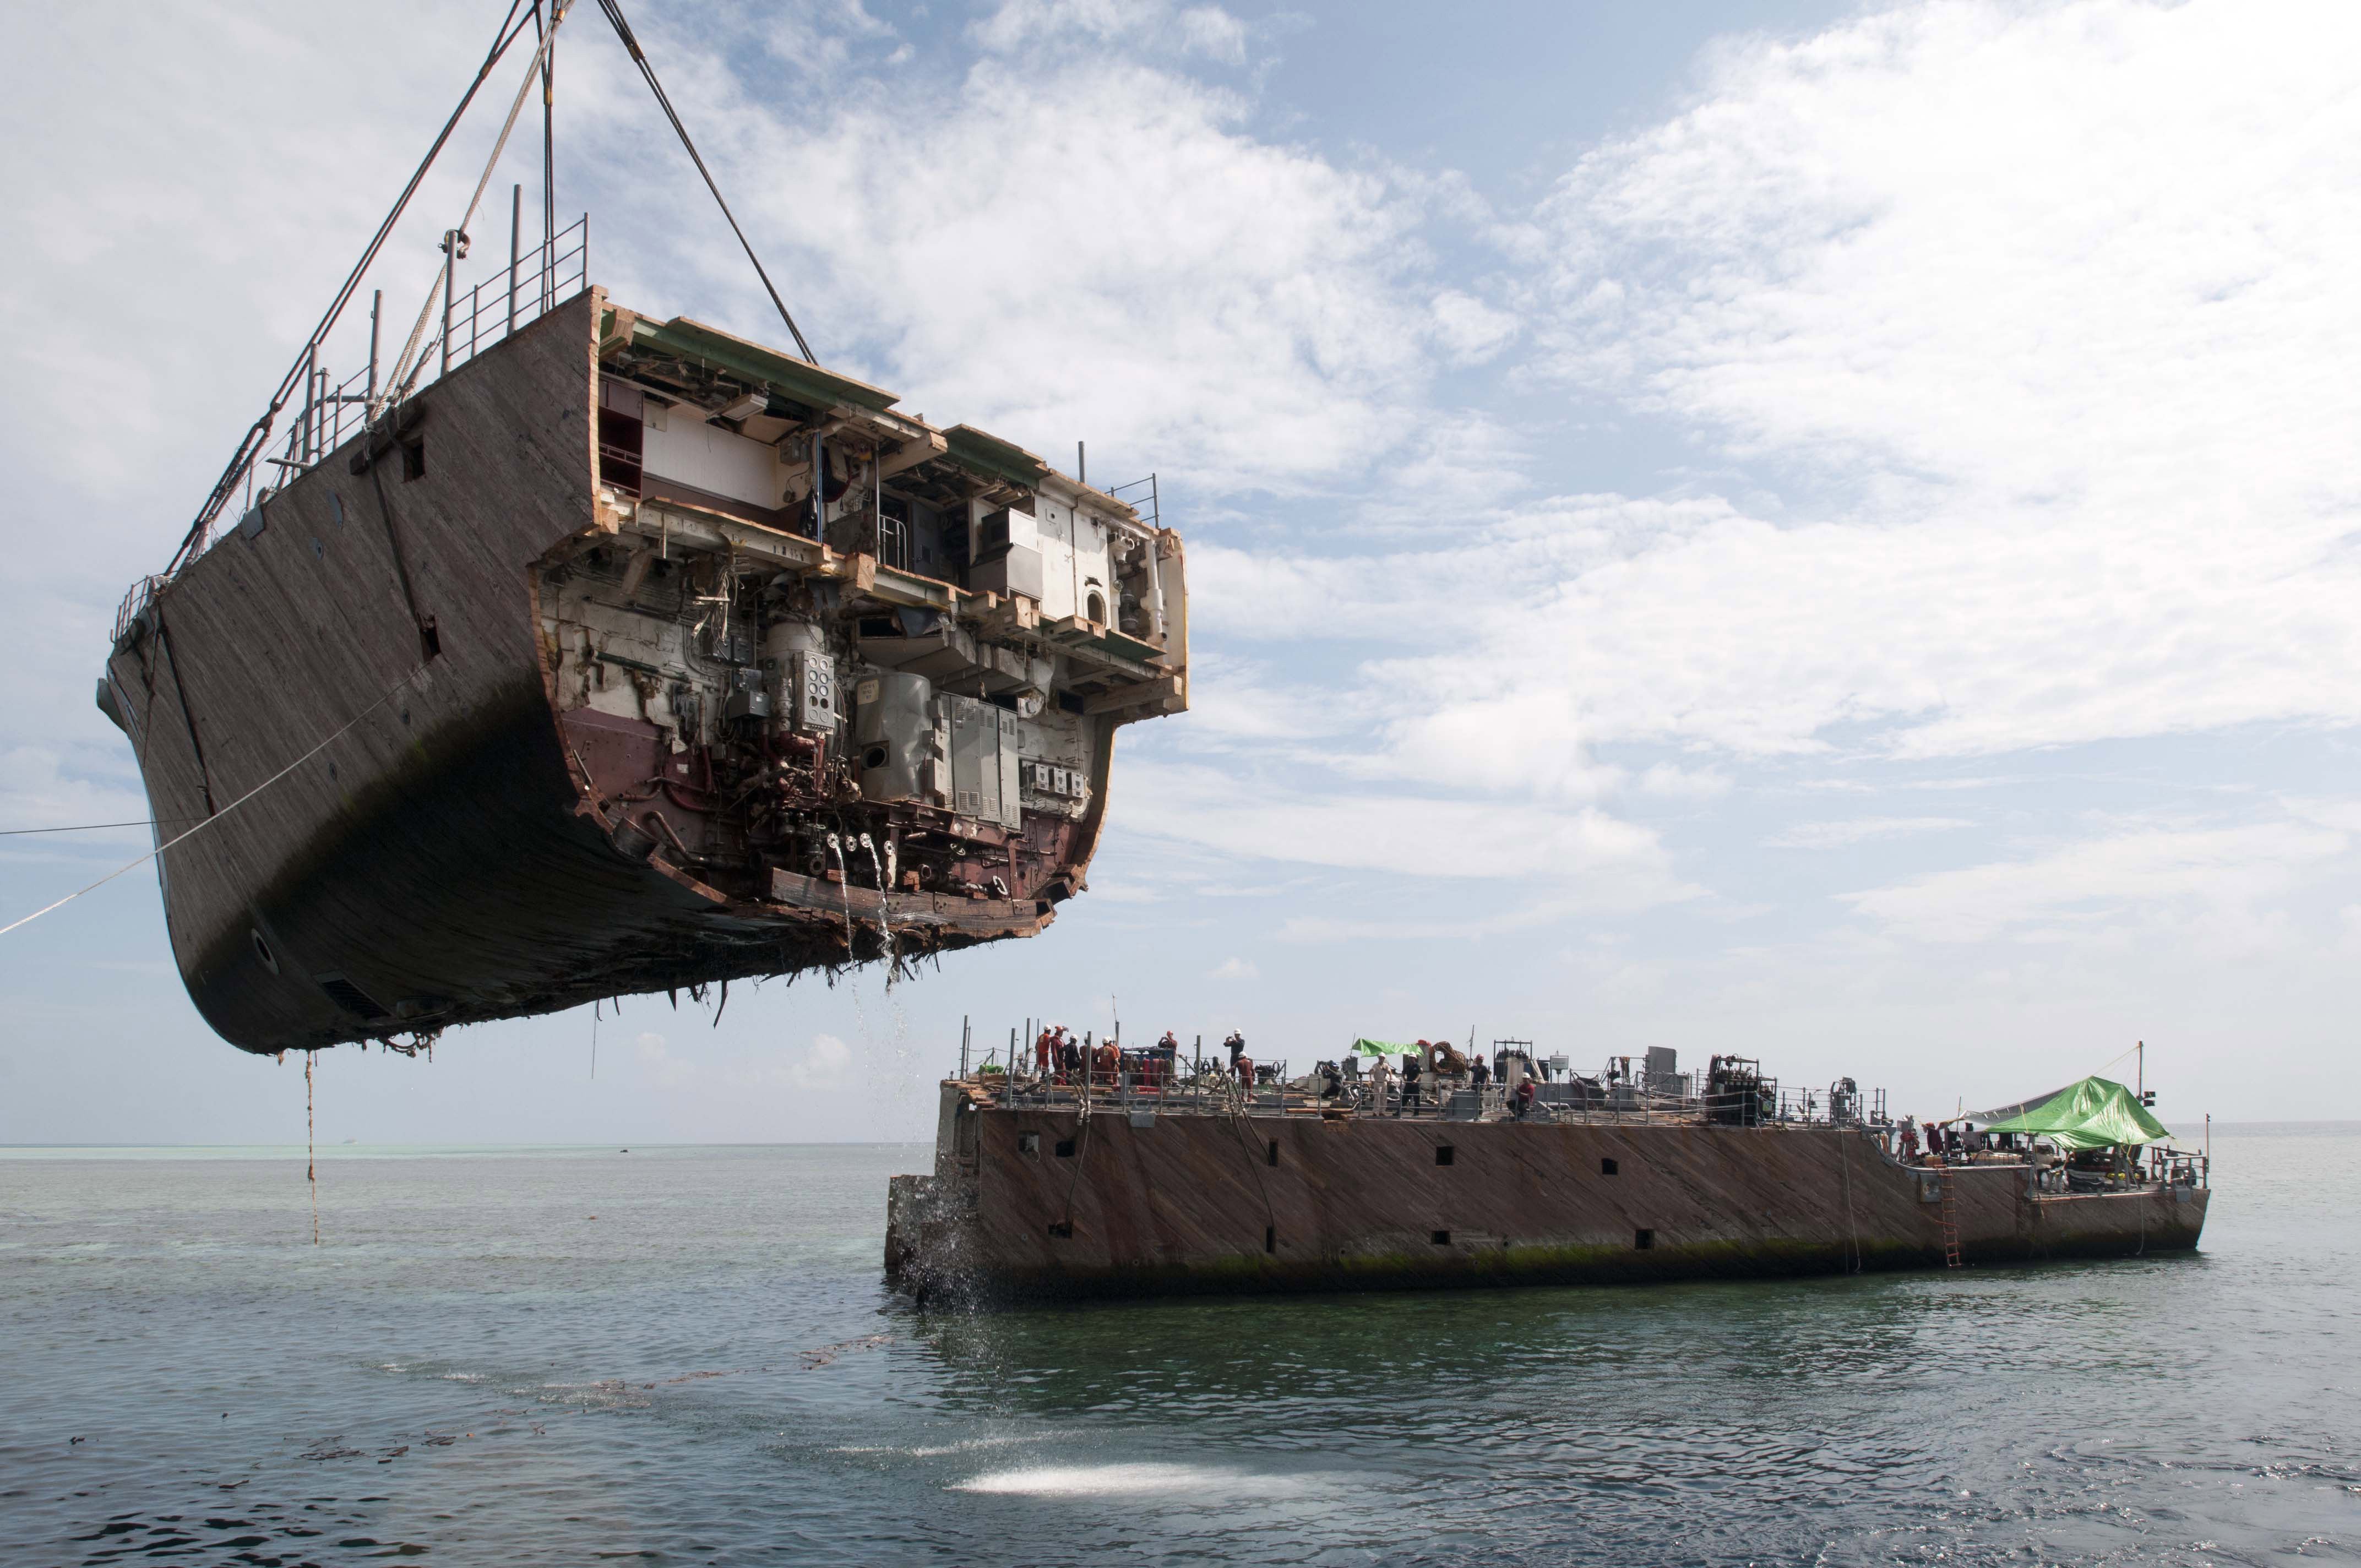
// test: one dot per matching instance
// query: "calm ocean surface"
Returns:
(684, 1355)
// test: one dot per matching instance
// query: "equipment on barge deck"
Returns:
(616, 653)
(1131, 1180)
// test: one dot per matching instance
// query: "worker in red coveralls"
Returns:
(1044, 1052)
(1110, 1060)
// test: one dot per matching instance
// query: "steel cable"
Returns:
(510, 28)
(639, 58)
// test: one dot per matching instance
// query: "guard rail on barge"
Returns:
(1194, 1186)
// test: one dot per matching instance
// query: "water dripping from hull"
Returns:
(883, 867)
(844, 893)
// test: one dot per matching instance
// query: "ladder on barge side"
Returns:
(1949, 1214)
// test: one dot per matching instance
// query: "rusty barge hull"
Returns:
(557, 682)
(1191, 1203)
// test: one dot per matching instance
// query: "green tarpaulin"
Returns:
(1382, 1048)
(2095, 1113)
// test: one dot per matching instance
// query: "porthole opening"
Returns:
(1065, 1148)
(1271, 1156)
(1443, 1154)
(1607, 1168)
(1643, 1240)
(262, 950)
(1270, 1238)
(1062, 1229)
(1442, 1238)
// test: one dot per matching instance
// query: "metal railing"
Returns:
(135, 603)
(531, 285)
(1144, 500)
(1198, 1084)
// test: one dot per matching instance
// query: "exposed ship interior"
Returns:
(923, 706)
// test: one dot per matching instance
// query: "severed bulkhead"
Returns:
(925, 705)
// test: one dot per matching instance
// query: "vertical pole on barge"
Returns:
(377, 304)
(964, 1040)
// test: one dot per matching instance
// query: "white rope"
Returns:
(398, 383)
(224, 811)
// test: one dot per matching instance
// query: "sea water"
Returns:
(684, 1355)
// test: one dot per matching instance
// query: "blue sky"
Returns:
(1816, 530)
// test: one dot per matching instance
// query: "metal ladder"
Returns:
(1950, 1218)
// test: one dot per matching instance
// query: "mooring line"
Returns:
(224, 811)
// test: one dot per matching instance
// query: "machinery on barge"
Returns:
(585, 651)
(1146, 1173)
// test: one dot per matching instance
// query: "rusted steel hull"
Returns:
(1190, 1203)
(472, 842)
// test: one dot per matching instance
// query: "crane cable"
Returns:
(225, 810)
(639, 58)
(510, 28)
(404, 371)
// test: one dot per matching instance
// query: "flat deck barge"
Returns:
(1196, 1184)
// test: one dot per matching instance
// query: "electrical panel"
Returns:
(984, 762)
(814, 691)
(1049, 778)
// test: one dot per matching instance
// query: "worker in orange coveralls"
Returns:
(1110, 1061)
(1045, 1051)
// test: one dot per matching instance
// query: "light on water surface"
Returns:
(476, 1369)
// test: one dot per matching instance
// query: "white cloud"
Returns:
(2053, 300)
(2041, 311)
(1673, 782)
(2222, 880)
(1468, 330)
(1075, 242)
(1033, 25)
(1860, 830)
(1620, 864)
(1233, 968)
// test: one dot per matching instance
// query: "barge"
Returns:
(1158, 1178)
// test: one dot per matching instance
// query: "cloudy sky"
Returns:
(1830, 532)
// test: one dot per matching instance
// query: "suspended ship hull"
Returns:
(569, 678)
(1033, 1201)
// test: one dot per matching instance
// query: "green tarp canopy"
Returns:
(1382, 1048)
(2095, 1113)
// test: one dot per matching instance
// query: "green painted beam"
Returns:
(702, 345)
(987, 454)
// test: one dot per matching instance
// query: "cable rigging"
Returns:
(639, 58)
(513, 26)
(259, 435)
